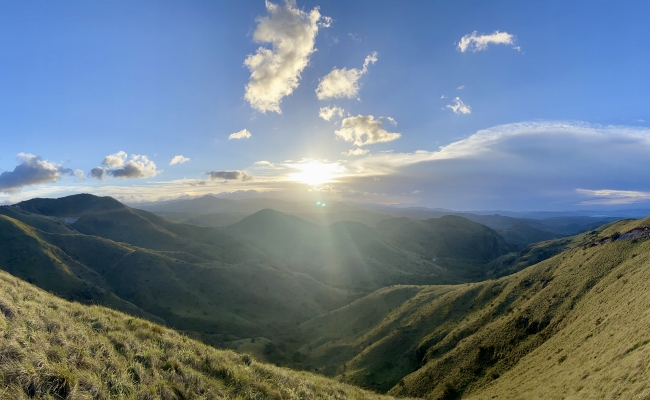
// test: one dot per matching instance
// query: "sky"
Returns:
(463, 105)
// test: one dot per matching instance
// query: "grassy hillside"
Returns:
(512, 337)
(178, 288)
(54, 349)
(446, 237)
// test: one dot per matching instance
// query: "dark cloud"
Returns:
(137, 167)
(230, 175)
(33, 171)
(98, 173)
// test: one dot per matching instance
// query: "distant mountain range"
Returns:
(521, 229)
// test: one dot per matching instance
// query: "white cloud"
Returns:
(275, 73)
(343, 82)
(32, 171)
(475, 42)
(117, 166)
(80, 174)
(459, 107)
(443, 97)
(354, 129)
(137, 167)
(613, 197)
(178, 160)
(461, 87)
(243, 134)
(327, 113)
(356, 152)
(115, 160)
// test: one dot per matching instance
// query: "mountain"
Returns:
(352, 255)
(197, 279)
(446, 237)
(523, 234)
(54, 349)
(568, 326)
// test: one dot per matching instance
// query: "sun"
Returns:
(316, 173)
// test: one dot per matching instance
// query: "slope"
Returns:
(458, 342)
(448, 238)
(184, 291)
(345, 254)
(523, 234)
(54, 349)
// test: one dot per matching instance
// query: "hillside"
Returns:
(446, 237)
(179, 288)
(54, 349)
(352, 255)
(569, 326)
(523, 234)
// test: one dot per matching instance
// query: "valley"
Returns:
(439, 308)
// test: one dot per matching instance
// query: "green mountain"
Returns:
(140, 263)
(355, 256)
(569, 326)
(523, 234)
(54, 349)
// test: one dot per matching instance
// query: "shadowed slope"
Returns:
(345, 254)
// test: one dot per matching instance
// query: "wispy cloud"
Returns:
(475, 42)
(243, 134)
(275, 72)
(356, 152)
(340, 83)
(613, 197)
(459, 107)
(178, 160)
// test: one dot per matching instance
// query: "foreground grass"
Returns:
(54, 349)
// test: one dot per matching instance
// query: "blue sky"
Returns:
(554, 118)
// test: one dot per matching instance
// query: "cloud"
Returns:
(115, 160)
(243, 134)
(343, 82)
(32, 171)
(356, 152)
(327, 113)
(178, 160)
(460, 87)
(614, 197)
(354, 129)
(390, 119)
(137, 167)
(275, 73)
(459, 107)
(117, 166)
(229, 175)
(98, 173)
(475, 42)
